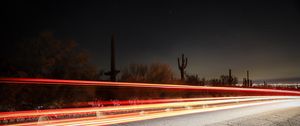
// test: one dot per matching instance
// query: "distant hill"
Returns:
(281, 80)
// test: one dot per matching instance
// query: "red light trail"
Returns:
(142, 109)
(180, 103)
(145, 85)
(149, 111)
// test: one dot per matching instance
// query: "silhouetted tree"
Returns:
(195, 80)
(203, 81)
(46, 57)
(192, 79)
(153, 73)
(215, 82)
(135, 73)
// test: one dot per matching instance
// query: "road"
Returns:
(199, 111)
(281, 117)
(283, 113)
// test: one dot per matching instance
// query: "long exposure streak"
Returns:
(138, 116)
(147, 85)
(129, 107)
(143, 110)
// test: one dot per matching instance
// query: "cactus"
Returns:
(230, 79)
(113, 72)
(182, 65)
(247, 82)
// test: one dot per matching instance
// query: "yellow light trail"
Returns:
(155, 108)
(95, 109)
(157, 113)
(139, 117)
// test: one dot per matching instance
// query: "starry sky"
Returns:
(215, 35)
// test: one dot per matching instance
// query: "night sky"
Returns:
(256, 35)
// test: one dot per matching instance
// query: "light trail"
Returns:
(159, 115)
(129, 109)
(18, 114)
(125, 118)
(155, 108)
(151, 101)
(145, 85)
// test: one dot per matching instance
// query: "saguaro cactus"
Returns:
(247, 82)
(113, 72)
(182, 65)
(230, 79)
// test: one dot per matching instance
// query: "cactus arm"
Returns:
(186, 61)
(178, 63)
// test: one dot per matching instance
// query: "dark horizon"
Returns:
(262, 37)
